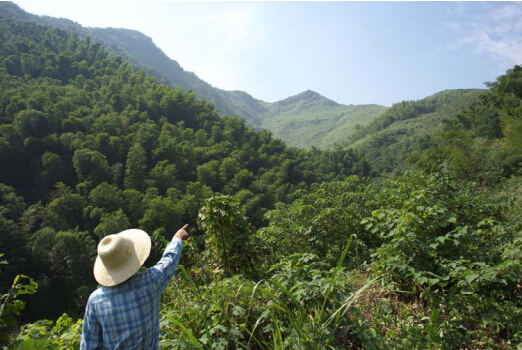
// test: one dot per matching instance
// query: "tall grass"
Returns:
(307, 327)
(293, 325)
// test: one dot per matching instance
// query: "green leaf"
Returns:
(38, 344)
(422, 280)
(467, 290)
(238, 310)
(189, 334)
(471, 277)
(432, 281)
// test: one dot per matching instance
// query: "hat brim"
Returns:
(113, 276)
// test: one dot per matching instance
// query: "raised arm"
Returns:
(170, 259)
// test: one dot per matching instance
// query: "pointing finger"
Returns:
(185, 227)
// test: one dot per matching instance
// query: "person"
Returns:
(124, 312)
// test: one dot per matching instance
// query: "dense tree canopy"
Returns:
(90, 147)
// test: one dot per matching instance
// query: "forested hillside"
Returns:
(482, 143)
(291, 249)
(387, 142)
(139, 50)
(89, 147)
(306, 121)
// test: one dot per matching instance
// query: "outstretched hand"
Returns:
(182, 233)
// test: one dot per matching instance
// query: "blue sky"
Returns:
(350, 52)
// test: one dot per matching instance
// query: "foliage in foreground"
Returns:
(11, 305)
(443, 273)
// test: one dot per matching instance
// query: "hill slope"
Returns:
(307, 122)
(309, 119)
(407, 126)
(139, 49)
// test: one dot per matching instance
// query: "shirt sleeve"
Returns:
(168, 263)
(92, 337)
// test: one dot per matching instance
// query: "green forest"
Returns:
(347, 248)
(304, 120)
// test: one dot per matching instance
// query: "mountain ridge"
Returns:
(140, 50)
(301, 120)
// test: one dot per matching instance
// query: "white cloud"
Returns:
(458, 8)
(496, 33)
(507, 12)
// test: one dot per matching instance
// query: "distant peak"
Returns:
(309, 96)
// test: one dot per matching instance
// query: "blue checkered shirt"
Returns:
(126, 316)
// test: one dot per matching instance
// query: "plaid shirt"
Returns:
(126, 316)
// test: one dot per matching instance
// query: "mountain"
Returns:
(140, 50)
(309, 119)
(288, 250)
(301, 121)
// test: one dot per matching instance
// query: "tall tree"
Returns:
(136, 168)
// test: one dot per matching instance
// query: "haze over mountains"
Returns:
(304, 120)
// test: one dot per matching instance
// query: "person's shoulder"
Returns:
(97, 295)
(148, 277)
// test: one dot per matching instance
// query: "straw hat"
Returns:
(120, 256)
